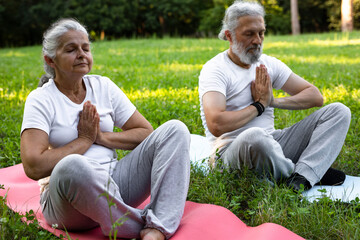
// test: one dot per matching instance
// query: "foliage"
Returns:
(208, 25)
(171, 17)
(26, 20)
(160, 76)
(12, 227)
(277, 18)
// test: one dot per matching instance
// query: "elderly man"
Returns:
(237, 109)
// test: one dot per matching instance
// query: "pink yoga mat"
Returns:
(200, 221)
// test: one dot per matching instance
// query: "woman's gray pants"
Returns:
(309, 147)
(83, 195)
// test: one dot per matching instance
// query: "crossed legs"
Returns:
(83, 195)
(308, 148)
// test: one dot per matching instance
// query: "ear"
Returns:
(228, 36)
(49, 61)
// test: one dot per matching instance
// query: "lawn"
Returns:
(160, 77)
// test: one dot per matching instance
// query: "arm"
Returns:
(220, 121)
(303, 95)
(135, 130)
(39, 160)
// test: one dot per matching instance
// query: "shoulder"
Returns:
(279, 71)
(271, 61)
(97, 79)
(268, 59)
(99, 83)
(217, 61)
(44, 93)
(216, 67)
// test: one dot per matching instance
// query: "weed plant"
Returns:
(160, 76)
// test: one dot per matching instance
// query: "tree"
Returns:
(277, 18)
(346, 15)
(295, 22)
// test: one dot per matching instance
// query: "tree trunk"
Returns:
(102, 35)
(295, 23)
(346, 15)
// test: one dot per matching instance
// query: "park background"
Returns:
(154, 51)
(23, 21)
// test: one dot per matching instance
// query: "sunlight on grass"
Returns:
(340, 93)
(324, 59)
(13, 54)
(186, 93)
(188, 49)
(278, 44)
(168, 49)
(180, 67)
(311, 40)
(329, 42)
(14, 95)
(336, 94)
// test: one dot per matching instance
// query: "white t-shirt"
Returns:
(48, 109)
(222, 75)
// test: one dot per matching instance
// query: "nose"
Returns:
(81, 53)
(257, 39)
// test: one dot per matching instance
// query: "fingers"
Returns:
(88, 122)
(261, 88)
(254, 93)
(262, 76)
(89, 112)
(261, 73)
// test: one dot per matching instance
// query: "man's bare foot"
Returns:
(151, 234)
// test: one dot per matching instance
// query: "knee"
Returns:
(340, 111)
(177, 129)
(254, 136)
(70, 167)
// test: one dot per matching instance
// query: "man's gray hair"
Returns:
(235, 11)
(51, 40)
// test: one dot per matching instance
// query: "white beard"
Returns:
(244, 55)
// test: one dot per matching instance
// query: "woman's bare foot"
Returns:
(151, 234)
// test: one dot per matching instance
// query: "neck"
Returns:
(75, 90)
(235, 59)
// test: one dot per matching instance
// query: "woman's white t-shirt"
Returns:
(222, 75)
(49, 110)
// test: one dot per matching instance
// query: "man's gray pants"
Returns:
(83, 195)
(308, 147)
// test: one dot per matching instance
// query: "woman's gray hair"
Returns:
(235, 11)
(51, 39)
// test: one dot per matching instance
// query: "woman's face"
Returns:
(73, 56)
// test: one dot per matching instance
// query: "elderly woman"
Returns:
(67, 134)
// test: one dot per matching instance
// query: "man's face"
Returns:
(248, 39)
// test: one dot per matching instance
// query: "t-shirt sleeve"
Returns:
(280, 72)
(211, 78)
(37, 112)
(123, 108)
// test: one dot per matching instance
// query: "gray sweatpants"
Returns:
(83, 195)
(308, 147)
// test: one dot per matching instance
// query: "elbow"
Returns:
(319, 100)
(215, 130)
(32, 170)
(32, 173)
(215, 125)
(148, 131)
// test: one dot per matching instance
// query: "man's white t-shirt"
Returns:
(49, 110)
(222, 75)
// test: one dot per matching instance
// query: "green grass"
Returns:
(161, 76)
